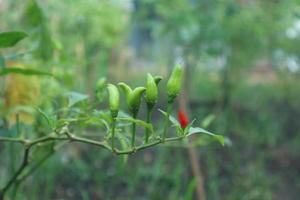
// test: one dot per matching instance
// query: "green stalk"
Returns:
(149, 114)
(169, 109)
(134, 114)
(113, 126)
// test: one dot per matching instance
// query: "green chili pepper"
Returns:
(151, 91)
(174, 83)
(114, 99)
(133, 97)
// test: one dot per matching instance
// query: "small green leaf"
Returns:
(11, 38)
(27, 72)
(75, 97)
(194, 130)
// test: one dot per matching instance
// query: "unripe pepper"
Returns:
(174, 83)
(151, 91)
(114, 99)
(133, 97)
(133, 100)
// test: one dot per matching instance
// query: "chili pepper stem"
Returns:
(169, 109)
(134, 114)
(113, 126)
(149, 114)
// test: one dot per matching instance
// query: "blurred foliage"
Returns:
(242, 64)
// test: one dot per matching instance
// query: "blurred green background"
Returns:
(242, 60)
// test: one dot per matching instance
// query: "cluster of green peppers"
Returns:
(133, 98)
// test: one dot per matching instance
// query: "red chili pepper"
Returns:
(183, 119)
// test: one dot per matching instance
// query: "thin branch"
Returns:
(89, 141)
(16, 140)
(18, 172)
(145, 146)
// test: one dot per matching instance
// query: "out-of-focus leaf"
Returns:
(27, 72)
(194, 130)
(35, 18)
(46, 116)
(138, 122)
(75, 97)
(208, 120)
(11, 38)
(2, 62)
(33, 15)
(191, 189)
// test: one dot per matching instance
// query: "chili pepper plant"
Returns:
(118, 126)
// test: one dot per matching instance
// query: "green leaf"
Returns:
(11, 38)
(75, 97)
(194, 130)
(187, 128)
(27, 72)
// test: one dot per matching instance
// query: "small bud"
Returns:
(100, 89)
(151, 91)
(114, 100)
(157, 79)
(174, 83)
(101, 83)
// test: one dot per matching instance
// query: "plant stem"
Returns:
(149, 114)
(169, 108)
(134, 114)
(145, 146)
(113, 126)
(8, 139)
(18, 172)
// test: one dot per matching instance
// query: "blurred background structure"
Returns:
(242, 61)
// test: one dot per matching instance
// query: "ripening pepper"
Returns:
(174, 83)
(133, 97)
(114, 99)
(183, 119)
